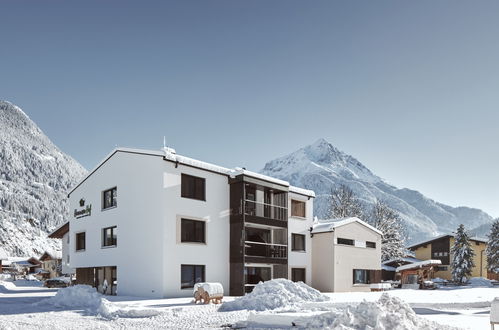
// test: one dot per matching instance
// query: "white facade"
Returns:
(335, 261)
(149, 253)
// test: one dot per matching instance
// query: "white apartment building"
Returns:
(153, 223)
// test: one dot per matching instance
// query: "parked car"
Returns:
(56, 283)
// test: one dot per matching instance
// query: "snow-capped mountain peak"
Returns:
(322, 167)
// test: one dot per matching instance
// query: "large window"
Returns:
(361, 276)
(298, 242)
(80, 241)
(345, 241)
(193, 231)
(298, 274)
(297, 209)
(190, 275)
(109, 198)
(109, 236)
(193, 187)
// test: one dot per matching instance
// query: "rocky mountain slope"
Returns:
(321, 167)
(34, 178)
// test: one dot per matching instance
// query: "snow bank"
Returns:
(386, 313)
(85, 296)
(77, 296)
(480, 282)
(275, 294)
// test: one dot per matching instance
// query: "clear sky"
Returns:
(410, 88)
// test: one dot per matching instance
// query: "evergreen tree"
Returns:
(345, 204)
(462, 256)
(492, 251)
(388, 221)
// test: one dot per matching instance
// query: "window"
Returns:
(67, 259)
(297, 209)
(371, 245)
(80, 241)
(361, 276)
(109, 198)
(442, 268)
(298, 274)
(109, 236)
(193, 187)
(192, 231)
(298, 242)
(345, 241)
(190, 275)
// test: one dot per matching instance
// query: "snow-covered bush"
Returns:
(275, 294)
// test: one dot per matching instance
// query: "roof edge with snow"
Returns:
(324, 226)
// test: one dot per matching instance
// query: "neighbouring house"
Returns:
(20, 265)
(439, 248)
(62, 233)
(154, 223)
(389, 267)
(346, 255)
(51, 263)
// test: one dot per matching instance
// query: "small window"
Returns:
(298, 209)
(67, 259)
(371, 245)
(190, 275)
(80, 241)
(193, 187)
(109, 198)
(109, 237)
(298, 274)
(345, 241)
(298, 242)
(477, 243)
(361, 276)
(193, 231)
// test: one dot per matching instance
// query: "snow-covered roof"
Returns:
(170, 155)
(388, 268)
(406, 259)
(324, 226)
(428, 241)
(420, 264)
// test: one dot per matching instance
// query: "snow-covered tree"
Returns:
(345, 204)
(493, 248)
(462, 256)
(388, 221)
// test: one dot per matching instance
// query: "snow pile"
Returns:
(275, 294)
(77, 296)
(480, 282)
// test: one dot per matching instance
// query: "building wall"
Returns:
(323, 262)
(302, 226)
(347, 257)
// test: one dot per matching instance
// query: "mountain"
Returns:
(322, 167)
(34, 179)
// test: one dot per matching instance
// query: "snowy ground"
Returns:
(24, 305)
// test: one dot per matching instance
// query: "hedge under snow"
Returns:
(275, 294)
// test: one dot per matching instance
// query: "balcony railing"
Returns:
(265, 250)
(264, 210)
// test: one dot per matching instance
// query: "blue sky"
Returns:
(409, 88)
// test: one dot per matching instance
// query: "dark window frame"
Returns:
(293, 278)
(293, 243)
(367, 275)
(114, 198)
(104, 245)
(78, 248)
(293, 202)
(203, 275)
(184, 238)
(345, 241)
(184, 187)
(371, 245)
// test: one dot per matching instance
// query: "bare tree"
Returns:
(345, 204)
(388, 221)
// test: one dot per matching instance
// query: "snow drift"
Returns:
(275, 294)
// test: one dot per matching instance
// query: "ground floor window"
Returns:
(298, 274)
(361, 276)
(190, 275)
(255, 275)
